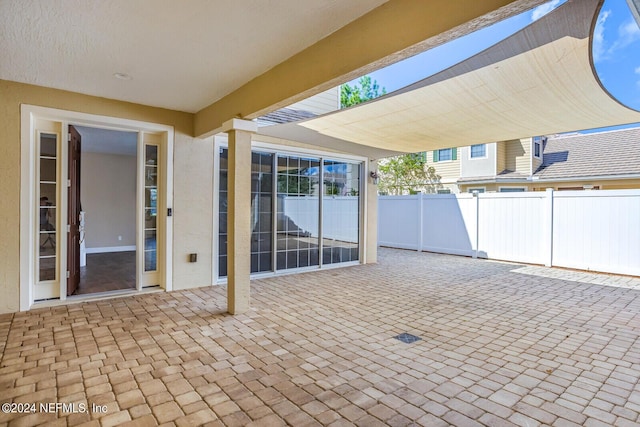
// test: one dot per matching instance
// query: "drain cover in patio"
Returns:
(407, 338)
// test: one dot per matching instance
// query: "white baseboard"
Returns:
(111, 249)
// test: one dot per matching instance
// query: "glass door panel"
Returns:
(150, 207)
(261, 212)
(222, 213)
(340, 212)
(48, 196)
(297, 212)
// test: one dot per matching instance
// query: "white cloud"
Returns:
(598, 37)
(637, 70)
(540, 11)
(627, 34)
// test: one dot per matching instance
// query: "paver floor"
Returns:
(497, 348)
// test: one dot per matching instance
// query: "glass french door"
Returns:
(150, 237)
(47, 265)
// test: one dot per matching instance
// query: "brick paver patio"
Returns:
(498, 347)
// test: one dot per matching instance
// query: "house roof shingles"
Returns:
(602, 154)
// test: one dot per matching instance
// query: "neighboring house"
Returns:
(603, 160)
(324, 102)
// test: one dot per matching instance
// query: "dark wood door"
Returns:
(73, 212)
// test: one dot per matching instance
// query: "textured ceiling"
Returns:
(181, 55)
(538, 81)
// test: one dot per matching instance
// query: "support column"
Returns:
(239, 215)
(371, 218)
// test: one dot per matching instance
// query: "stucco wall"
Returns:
(193, 168)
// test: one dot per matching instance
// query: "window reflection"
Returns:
(261, 212)
(340, 212)
(297, 212)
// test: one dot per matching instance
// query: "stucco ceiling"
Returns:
(538, 81)
(181, 55)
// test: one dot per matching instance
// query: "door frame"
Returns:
(28, 204)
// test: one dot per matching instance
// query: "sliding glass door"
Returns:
(305, 212)
(297, 212)
(261, 212)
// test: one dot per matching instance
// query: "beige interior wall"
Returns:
(108, 197)
(193, 170)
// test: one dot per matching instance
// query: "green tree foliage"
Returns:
(407, 174)
(364, 90)
(296, 183)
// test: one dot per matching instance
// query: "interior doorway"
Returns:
(101, 210)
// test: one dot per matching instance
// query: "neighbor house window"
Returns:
(512, 189)
(537, 147)
(445, 154)
(476, 190)
(478, 151)
(445, 191)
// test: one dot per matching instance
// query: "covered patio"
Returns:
(500, 344)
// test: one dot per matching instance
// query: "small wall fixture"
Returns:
(374, 177)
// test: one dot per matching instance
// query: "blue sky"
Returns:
(616, 52)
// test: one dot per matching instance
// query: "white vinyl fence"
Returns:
(587, 230)
(340, 215)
